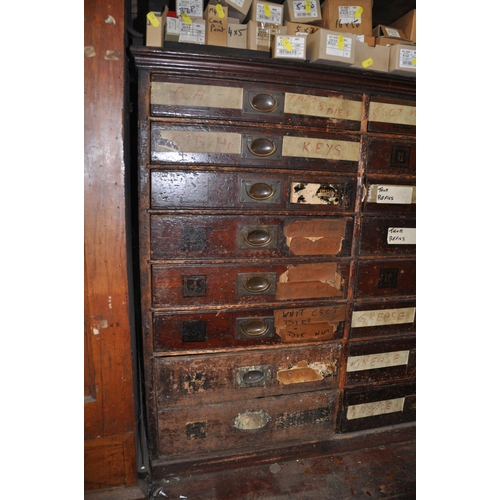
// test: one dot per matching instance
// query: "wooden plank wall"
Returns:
(110, 456)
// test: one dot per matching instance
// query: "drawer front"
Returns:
(392, 116)
(386, 278)
(383, 319)
(252, 423)
(208, 237)
(232, 284)
(225, 100)
(250, 191)
(375, 361)
(366, 408)
(195, 380)
(248, 328)
(230, 145)
(386, 156)
(388, 236)
(390, 197)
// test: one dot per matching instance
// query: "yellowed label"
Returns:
(380, 317)
(191, 141)
(203, 96)
(312, 193)
(376, 408)
(320, 148)
(392, 113)
(315, 236)
(299, 374)
(379, 360)
(308, 315)
(153, 19)
(392, 194)
(330, 107)
(315, 332)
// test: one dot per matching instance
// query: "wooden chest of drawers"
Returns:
(277, 225)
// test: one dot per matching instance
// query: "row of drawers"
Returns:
(181, 237)
(308, 107)
(249, 328)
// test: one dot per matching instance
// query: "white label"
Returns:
(376, 408)
(360, 38)
(346, 14)
(298, 44)
(299, 9)
(382, 317)
(193, 8)
(239, 3)
(275, 17)
(332, 46)
(395, 194)
(379, 360)
(407, 58)
(173, 26)
(402, 236)
(392, 32)
(192, 33)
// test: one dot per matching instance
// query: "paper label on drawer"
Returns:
(203, 96)
(379, 360)
(312, 193)
(330, 107)
(320, 148)
(402, 236)
(191, 141)
(376, 408)
(381, 317)
(315, 236)
(386, 194)
(392, 113)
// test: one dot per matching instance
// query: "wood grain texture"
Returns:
(110, 458)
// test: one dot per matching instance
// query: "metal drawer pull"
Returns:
(251, 420)
(257, 284)
(260, 191)
(262, 147)
(264, 102)
(253, 377)
(255, 328)
(258, 237)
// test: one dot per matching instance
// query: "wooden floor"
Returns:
(384, 472)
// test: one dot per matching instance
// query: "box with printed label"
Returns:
(302, 11)
(261, 35)
(266, 12)
(193, 31)
(403, 60)
(408, 23)
(300, 29)
(289, 47)
(236, 34)
(172, 29)
(191, 8)
(372, 58)
(216, 25)
(331, 47)
(238, 9)
(381, 30)
(351, 16)
(155, 29)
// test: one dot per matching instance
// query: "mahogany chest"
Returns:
(277, 257)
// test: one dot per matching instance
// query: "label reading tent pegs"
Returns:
(153, 20)
(220, 11)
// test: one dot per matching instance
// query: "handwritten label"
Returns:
(376, 408)
(402, 236)
(375, 361)
(198, 142)
(392, 113)
(192, 8)
(205, 96)
(320, 148)
(331, 107)
(399, 195)
(382, 317)
(153, 20)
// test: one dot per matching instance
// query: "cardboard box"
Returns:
(193, 32)
(238, 9)
(350, 16)
(289, 47)
(216, 25)
(172, 28)
(371, 57)
(408, 23)
(300, 29)
(193, 8)
(266, 12)
(261, 35)
(236, 35)
(331, 47)
(403, 60)
(389, 31)
(302, 11)
(155, 29)
(389, 40)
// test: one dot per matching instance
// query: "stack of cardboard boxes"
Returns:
(335, 32)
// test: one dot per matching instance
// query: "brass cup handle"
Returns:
(262, 147)
(260, 191)
(258, 237)
(255, 328)
(257, 284)
(264, 103)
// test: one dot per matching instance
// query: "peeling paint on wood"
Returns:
(315, 237)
